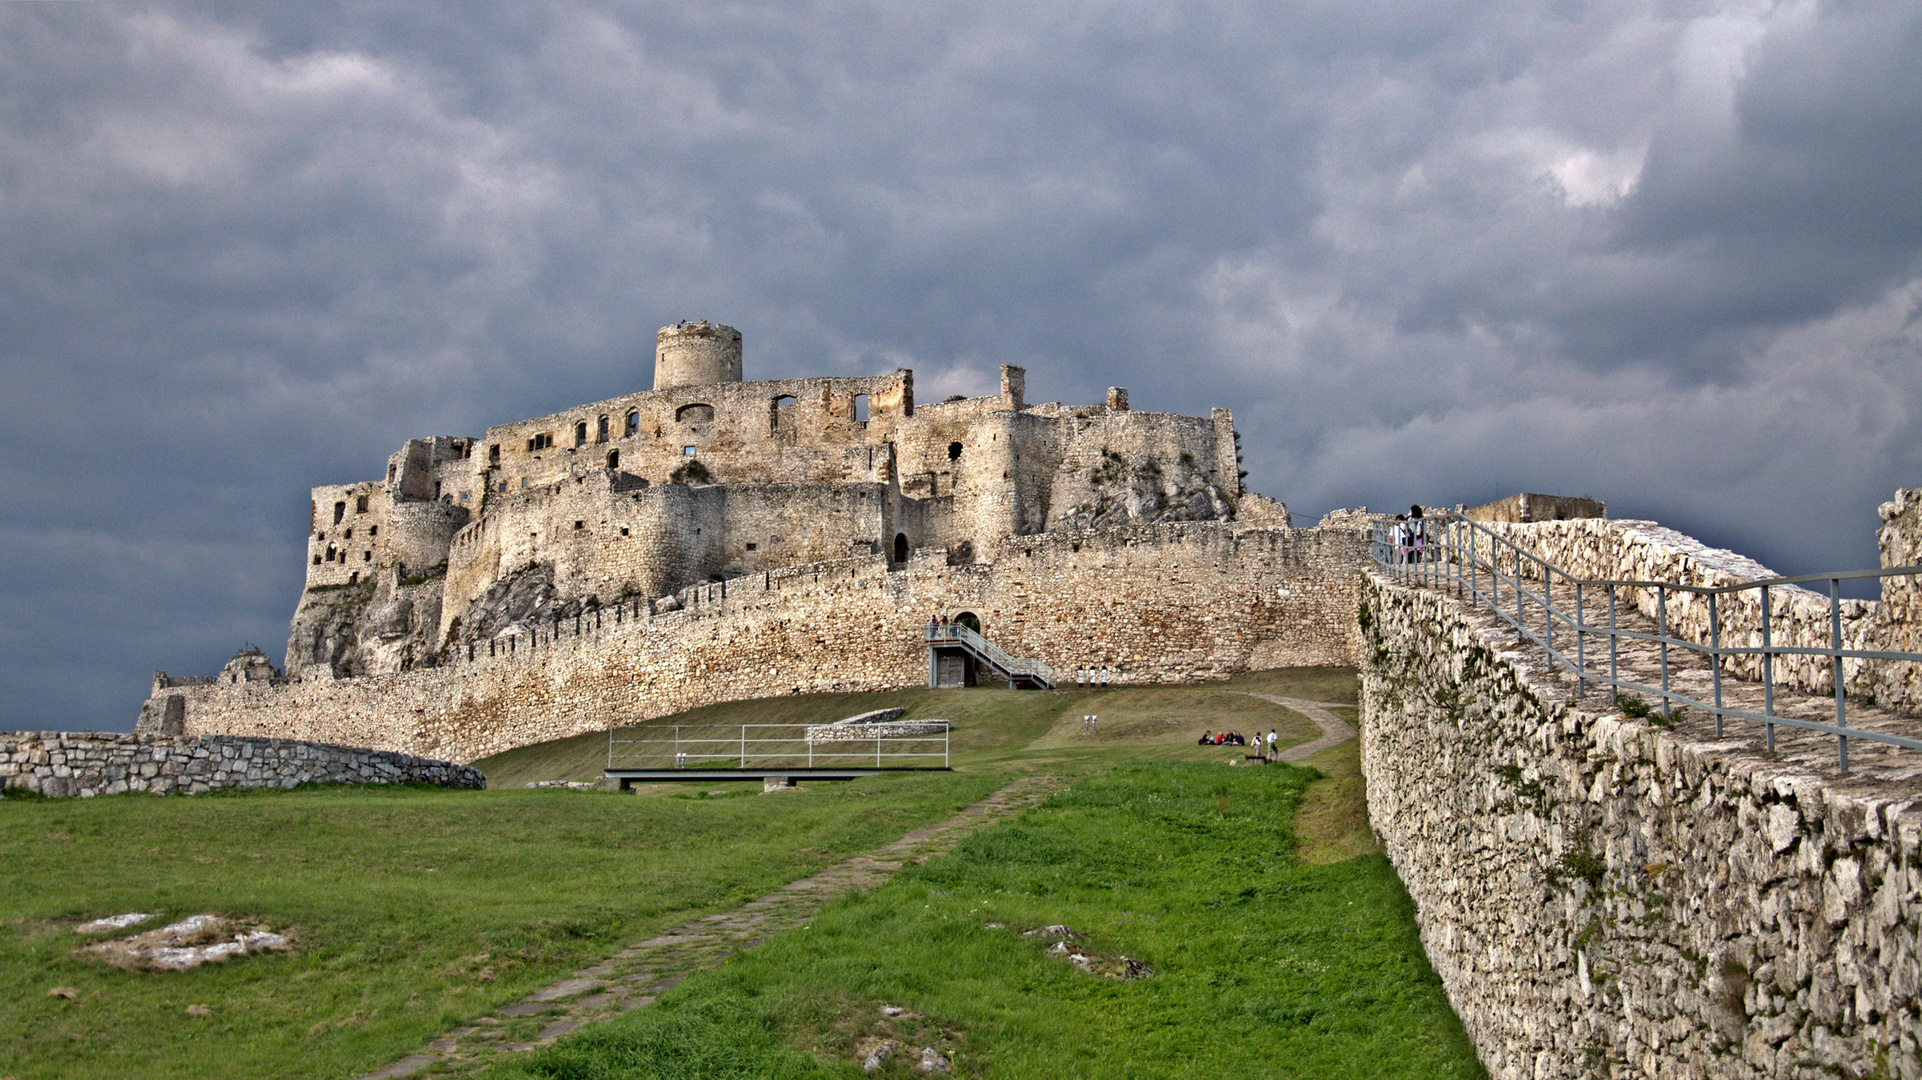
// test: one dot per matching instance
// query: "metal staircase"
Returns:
(954, 638)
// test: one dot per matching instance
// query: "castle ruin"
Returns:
(628, 508)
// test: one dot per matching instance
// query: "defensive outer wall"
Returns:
(1606, 897)
(1155, 603)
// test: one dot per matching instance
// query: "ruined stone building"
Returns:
(714, 539)
(707, 477)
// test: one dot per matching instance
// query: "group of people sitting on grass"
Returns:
(1223, 738)
(1235, 738)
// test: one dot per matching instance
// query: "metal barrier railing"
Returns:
(799, 746)
(1013, 665)
(1477, 563)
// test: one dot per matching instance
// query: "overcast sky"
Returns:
(1664, 254)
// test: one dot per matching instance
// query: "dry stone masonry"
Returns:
(1610, 897)
(84, 764)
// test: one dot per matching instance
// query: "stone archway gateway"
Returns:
(970, 620)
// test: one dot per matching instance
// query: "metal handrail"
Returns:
(687, 747)
(999, 657)
(1450, 555)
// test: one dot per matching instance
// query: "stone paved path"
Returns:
(1334, 730)
(1873, 767)
(634, 977)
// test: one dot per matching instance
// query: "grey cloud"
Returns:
(1435, 251)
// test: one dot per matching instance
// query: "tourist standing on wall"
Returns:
(1398, 539)
(1417, 534)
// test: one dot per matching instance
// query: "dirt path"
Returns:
(1334, 730)
(632, 978)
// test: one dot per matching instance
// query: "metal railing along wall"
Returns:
(1013, 665)
(798, 746)
(1469, 559)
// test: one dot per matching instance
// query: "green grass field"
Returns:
(1263, 966)
(414, 910)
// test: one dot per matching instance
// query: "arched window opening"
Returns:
(900, 547)
(634, 423)
(360, 504)
(954, 451)
(694, 414)
(613, 459)
(353, 578)
(580, 433)
(340, 511)
(494, 454)
(860, 408)
(600, 432)
(330, 553)
(316, 560)
(781, 413)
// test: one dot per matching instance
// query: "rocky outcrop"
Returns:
(376, 626)
(1144, 492)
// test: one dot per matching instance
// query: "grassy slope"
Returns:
(405, 902)
(1265, 965)
(413, 909)
(1000, 726)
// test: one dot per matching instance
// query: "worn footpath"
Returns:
(634, 977)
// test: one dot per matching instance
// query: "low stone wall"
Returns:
(85, 764)
(1606, 898)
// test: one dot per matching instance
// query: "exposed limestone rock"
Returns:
(187, 944)
(1144, 492)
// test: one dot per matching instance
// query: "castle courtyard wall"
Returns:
(1165, 603)
(1602, 897)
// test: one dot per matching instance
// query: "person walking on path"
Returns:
(1271, 746)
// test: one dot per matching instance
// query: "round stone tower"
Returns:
(696, 353)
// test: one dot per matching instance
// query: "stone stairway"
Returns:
(1019, 673)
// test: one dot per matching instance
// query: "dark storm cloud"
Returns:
(1443, 251)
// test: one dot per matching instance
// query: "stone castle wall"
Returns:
(65, 764)
(1898, 618)
(1161, 603)
(1606, 898)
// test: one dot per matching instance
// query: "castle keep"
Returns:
(652, 512)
